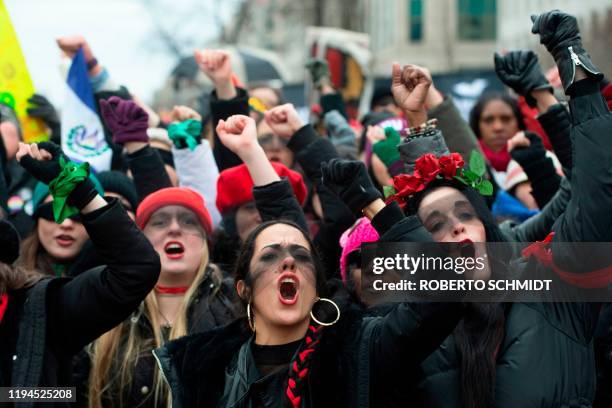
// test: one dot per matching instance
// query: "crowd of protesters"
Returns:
(219, 263)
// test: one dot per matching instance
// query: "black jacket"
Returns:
(276, 201)
(359, 363)
(223, 109)
(47, 324)
(546, 358)
(148, 171)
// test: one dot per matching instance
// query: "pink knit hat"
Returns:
(351, 240)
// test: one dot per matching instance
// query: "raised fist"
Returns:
(71, 44)
(409, 86)
(520, 70)
(350, 181)
(284, 120)
(127, 121)
(181, 113)
(216, 64)
(239, 134)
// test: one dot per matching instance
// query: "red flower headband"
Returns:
(428, 168)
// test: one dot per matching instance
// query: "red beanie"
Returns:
(235, 186)
(185, 197)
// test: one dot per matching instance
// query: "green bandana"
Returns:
(184, 134)
(61, 187)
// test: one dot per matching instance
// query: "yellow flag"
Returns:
(15, 83)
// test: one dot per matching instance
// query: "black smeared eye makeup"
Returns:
(275, 252)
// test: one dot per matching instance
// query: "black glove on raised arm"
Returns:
(48, 170)
(560, 35)
(520, 70)
(350, 181)
(535, 151)
(539, 168)
(45, 170)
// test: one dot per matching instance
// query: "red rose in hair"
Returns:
(406, 184)
(449, 165)
(427, 167)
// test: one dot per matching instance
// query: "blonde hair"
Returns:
(112, 374)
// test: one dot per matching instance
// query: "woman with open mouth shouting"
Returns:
(303, 343)
(45, 321)
(190, 296)
(534, 353)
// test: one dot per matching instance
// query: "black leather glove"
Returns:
(47, 170)
(521, 71)
(44, 110)
(350, 181)
(560, 35)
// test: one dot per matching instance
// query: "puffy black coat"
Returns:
(46, 325)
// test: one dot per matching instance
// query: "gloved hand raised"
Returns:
(127, 121)
(521, 71)
(350, 181)
(41, 160)
(68, 183)
(560, 35)
(526, 147)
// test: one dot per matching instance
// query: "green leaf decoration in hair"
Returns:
(485, 188)
(477, 163)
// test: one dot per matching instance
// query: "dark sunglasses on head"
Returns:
(45, 211)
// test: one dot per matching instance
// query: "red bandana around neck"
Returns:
(499, 161)
(166, 290)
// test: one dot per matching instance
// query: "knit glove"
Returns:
(350, 181)
(126, 120)
(388, 152)
(521, 71)
(539, 168)
(186, 134)
(560, 35)
(525, 155)
(45, 170)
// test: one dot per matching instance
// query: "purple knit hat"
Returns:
(351, 240)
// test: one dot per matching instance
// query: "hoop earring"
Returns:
(323, 323)
(250, 318)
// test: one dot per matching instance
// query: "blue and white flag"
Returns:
(82, 133)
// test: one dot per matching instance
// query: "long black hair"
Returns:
(479, 334)
(299, 367)
(483, 101)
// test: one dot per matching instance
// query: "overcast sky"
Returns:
(120, 32)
